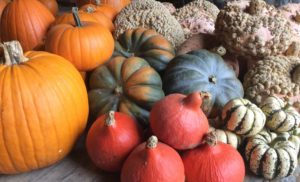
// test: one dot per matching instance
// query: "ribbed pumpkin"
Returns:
(44, 109)
(51, 5)
(147, 44)
(281, 116)
(127, 85)
(153, 161)
(110, 140)
(86, 45)
(117, 4)
(202, 71)
(227, 137)
(28, 26)
(270, 156)
(107, 10)
(243, 117)
(3, 3)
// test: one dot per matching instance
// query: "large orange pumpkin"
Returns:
(3, 3)
(44, 109)
(51, 5)
(107, 10)
(26, 21)
(86, 44)
(118, 4)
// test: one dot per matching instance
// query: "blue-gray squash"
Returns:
(202, 70)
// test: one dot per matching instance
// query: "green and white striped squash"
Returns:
(271, 156)
(227, 137)
(243, 117)
(281, 117)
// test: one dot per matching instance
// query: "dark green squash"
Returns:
(128, 85)
(202, 71)
(147, 44)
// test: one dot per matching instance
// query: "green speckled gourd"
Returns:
(281, 117)
(243, 117)
(128, 85)
(147, 44)
(202, 70)
(271, 156)
(227, 137)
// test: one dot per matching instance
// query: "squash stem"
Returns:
(90, 9)
(13, 53)
(110, 120)
(76, 17)
(211, 139)
(152, 142)
(97, 2)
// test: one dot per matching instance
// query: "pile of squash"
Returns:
(162, 104)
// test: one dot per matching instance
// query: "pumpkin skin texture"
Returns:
(111, 139)
(117, 4)
(127, 85)
(281, 117)
(147, 44)
(217, 162)
(51, 5)
(87, 45)
(202, 71)
(243, 117)
(153, 162)
(44, 110)
(3, 3)
(178, 120)
(17, 21)
(270, 156)
(107, 10)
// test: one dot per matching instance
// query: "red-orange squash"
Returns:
(51, 5)
(117, 4)
(178, 120)
(26, 21)
(214, 162)
(111, 139)
(44, 109)
(153, 161)
(86, 44)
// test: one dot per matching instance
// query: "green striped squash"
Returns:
(271, 156)
(243, 117)
(227, 137)
(281, 117)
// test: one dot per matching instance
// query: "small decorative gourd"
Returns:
(243, 117)
(227, 137)
(281, 116)
(270, 156)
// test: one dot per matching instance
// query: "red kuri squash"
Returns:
(214, 162)
(153, 161)
(111, 139)
(28, 26)
(178, 120)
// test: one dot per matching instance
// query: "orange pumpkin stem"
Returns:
(152, 142)
(211, 139)
(13, 53)
(76, 17)
(110, 120)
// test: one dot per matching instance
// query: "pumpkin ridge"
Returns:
(292, 166)
(263, 158)
(281, 122)
(229, 113)
(239, 128)
(24, 17)
(278, 163)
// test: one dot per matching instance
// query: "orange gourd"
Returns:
(111, 139)
(153, 161)
(51, 5)
(117, 4)
(107, 10)
(86, 44)
(178, 120)
(44, 109)
(26, 21)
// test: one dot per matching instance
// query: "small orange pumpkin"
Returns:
(86, 44)
(111, 139)
(44, 109)
(107, 10)
(117, 4)
(51, 5)
(28, 26)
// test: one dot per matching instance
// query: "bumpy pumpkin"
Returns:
(281, 116)
(86, 45)
(271, 157)
(107, 10)
(147, 44)
(126, 85)
(51, 5)
(243, 117)
(202, 71)
(44, 109)
(227, 137)
(29, 27)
